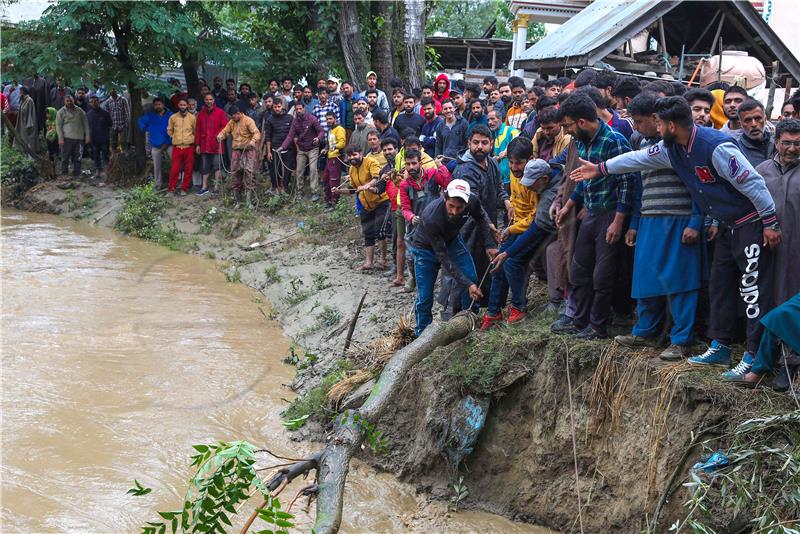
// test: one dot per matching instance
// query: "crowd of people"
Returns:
(642, 202)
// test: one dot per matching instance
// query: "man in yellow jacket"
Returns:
(332, 173)
(364, 173)
(243, 157)
(181, 128)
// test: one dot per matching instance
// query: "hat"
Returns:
(333, 79)
(371, 73)
(458, 189)
(534, 169)
(362, 99)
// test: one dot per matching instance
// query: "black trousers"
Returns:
(593, 270)
(71, 152)
(741, 279)
(374, 224)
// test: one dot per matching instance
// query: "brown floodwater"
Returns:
(117, 356)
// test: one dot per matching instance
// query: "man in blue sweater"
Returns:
(724, 186)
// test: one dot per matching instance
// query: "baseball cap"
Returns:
(534, 169)
(458, 189)
(371, 73)
(333, 79)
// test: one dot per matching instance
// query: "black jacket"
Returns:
(757, 152)
(276, 128)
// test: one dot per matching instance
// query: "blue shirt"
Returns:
(155, 126)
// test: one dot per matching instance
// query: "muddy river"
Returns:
(117, 356)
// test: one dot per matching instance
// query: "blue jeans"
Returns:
(513, 274)
(426, 266)
(652, 310)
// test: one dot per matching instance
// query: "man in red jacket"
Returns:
(210, 121)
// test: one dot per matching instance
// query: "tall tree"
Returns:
(382, 14)
(415, 41)
(350, 38)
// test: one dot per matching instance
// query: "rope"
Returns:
(572, 429)
(789, 376)
(481, 283)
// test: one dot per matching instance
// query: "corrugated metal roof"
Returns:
(595, 28)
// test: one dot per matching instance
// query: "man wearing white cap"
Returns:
(372, 83)
(334, 96)
(437, 243)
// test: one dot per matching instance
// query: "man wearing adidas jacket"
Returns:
(724, 186)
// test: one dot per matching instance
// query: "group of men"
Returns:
(621, 194)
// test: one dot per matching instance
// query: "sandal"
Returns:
(364, 268)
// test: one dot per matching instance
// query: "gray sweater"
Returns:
(72, 124)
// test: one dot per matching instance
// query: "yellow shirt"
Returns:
(181, 129)
(364, 174)
(336, 141)
(244, 132)
(524, 201)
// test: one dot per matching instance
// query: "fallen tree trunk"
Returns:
(347, 437)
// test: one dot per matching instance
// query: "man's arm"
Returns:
(171, 126)
(485, 224)
(256, 135)
(648, 159)
(732, 165)
(289, 136)
(440, 251)
(405, 202)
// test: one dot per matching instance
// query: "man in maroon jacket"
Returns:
(210, 121)
(307, 134)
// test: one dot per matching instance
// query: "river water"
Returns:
(117, 356)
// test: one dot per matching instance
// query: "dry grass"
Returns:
(371, 358)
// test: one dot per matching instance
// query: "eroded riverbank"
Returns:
(118, 356)
(635, 418)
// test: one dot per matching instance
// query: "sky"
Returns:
(23, 10)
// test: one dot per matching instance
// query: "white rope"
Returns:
(574, 443)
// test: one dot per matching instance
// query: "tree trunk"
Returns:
(347, 437)
(415, 41)
(381, 46)
(350, 39)
(189, 63)
(121, 37)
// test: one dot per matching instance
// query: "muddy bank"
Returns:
(493, 409)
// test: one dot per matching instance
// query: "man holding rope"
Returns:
(243, 158)
(438, 243)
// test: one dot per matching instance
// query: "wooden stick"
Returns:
(353, 322)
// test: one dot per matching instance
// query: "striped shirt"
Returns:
(662, 192)
(320, 111)
(607, 192)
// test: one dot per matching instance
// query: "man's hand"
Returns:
(60, 141)
(498, 261)
(586, 171)
(501, 155)
(614, 232)
(269, 156)
(630, 238)
(495, 233)
(582, 214)
(251, 145)
(503, 235)
(772, 238)
(475, 292)
(88, 141)
(554, 207)
(711, 233)
(560, 214)
(491, 252)
(416, 220)
(315, 142)
(690, 236)
(197, 149)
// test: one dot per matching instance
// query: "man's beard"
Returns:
(355, 161)
(390, 159)
(430, 116)
(668, 139)
(479, 156)
(756, 135)
(414, 173)
(582, 135)
(506, 98)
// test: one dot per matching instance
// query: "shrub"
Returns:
(15, 167)
(141, 213)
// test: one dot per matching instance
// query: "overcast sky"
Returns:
(24, 10)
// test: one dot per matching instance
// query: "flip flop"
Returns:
(363, 268)
(394, 283)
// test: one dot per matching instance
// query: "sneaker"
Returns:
(329, 208)
(741, 369)
(314, 198)
(515, 315)
(183, 193)
(716, 354)
(214, 193)
(675, 353)
(589, 334)
(551, 307)
(633, 342)
(202, 192)
(489, 320)
(563, 325)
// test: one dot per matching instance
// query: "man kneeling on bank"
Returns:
(437, 243)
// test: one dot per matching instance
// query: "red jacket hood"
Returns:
(446, 93)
